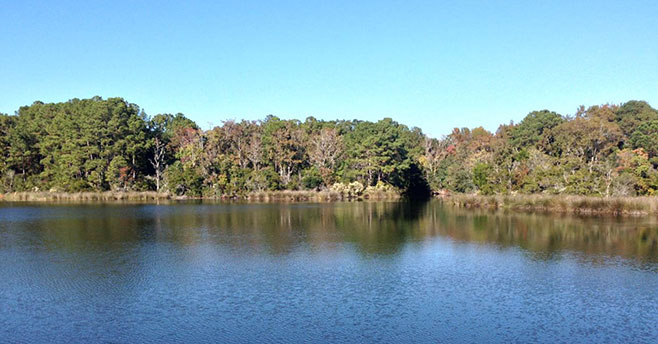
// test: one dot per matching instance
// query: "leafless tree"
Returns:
(158, 161)
(255, 151)
(326, 149)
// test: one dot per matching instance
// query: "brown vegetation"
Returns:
(149, 196)
(558, 203)
(83, 196)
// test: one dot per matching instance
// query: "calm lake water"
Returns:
(339, 272)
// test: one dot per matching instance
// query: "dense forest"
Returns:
(98, 145)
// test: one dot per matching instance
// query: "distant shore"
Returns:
(152, 196)
(640, 205)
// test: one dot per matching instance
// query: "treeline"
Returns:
(601, 150)
(99, 145)
(95, 144)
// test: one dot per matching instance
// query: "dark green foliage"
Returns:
(381, 151)
(529, 131)
(183, 181)
(481, 173)
(6, 178)
(632, 114)
(646, 137)
(70, 146)
(312, 178)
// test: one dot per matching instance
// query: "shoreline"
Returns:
(152, 196)
(565, 204)
(572, 204)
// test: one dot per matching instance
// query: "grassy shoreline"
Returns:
(540, 203)
(106, 196)
(641, 205)
(152, 196)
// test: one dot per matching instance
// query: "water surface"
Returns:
(338, 272)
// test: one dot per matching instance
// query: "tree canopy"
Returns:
(110, 144)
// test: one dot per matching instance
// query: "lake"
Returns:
(356, 272)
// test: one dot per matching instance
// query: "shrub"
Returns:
(351, 190)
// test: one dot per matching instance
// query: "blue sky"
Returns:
(432, 64)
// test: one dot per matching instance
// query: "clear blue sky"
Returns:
(424, 63)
